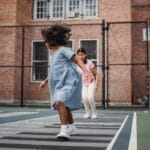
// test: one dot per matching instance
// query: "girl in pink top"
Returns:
(89, 85)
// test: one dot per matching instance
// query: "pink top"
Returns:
(89, 65)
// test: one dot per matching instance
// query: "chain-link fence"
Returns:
(127, 63)
(120, 51)
(24, 62)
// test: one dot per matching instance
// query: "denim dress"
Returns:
(64, 80)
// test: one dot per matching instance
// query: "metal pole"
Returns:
(147, 47)
(22, 68)
(107, 65)
(147, 43)
(103, 63)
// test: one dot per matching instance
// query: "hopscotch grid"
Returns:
(44, 122)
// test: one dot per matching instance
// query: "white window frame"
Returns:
(73, 14)
(66, 12)
(35, 11)
(145, 34)
(32, 48)
(82, 6)
(97, 52)
(51, 12)
(84, 10)
(72, 43)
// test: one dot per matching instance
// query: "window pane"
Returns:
(69, 44)
(39, 61)
(41, 9)
(90, 47)
(74, 10)
(39, 71)
(58, 8)
(146, 35)
(90, 7)
(40, 51)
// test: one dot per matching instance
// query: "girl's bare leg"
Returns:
(70, 118)
(72, 127)
(63, 113)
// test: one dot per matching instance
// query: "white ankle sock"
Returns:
(71, 125)
(64, 127)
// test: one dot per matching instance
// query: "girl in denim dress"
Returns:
(64, 80)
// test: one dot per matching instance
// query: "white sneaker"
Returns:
(86, 115)
(94, 116)
(73, 130)
(63, 136)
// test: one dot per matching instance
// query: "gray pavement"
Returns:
(36, 129)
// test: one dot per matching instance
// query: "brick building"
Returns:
(20, 26)
(140, 12)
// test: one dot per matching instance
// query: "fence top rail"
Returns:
(127, 22)
(45, 25)
(72, 24)
(128, 64)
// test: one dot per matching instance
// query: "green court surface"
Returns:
(143, 131)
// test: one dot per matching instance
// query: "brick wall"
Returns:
(140, 11)
(8, 12)
(24, 11)
(7, 48)
(7, 51)
(119, 54)
(114, 10)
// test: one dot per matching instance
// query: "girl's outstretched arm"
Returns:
(44, 82)
(97, 78)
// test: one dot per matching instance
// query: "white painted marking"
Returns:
(109, 147)
(17, 114)
(54, 143)
(133, 137)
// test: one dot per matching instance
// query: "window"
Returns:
(69, 44)
(91, 48)
(82, 8)
(39, 61)
(40, 9)
(145, 34)
(56, 9)
(73, 9)
(90, 8)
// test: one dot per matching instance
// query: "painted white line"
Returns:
(98, 124)
(133, 136)
(40, 121)
(17, 114)
(109, 147)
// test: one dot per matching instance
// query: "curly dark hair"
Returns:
(56, 35)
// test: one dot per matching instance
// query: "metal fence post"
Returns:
(22, 68)
(103, 63)
(107, 65)
(148, 74)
